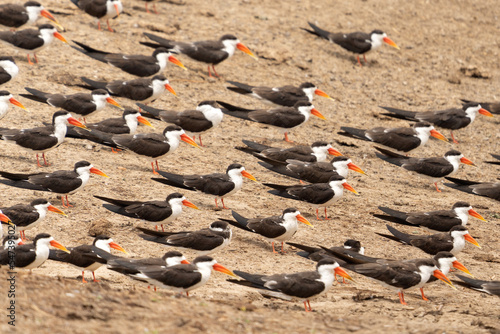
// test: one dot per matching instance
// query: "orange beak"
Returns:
(60, 37)
(187, 139)
(302, 219)
(144, 121)
(349, 187)
(316, 113)
(474, 214)
(176, 61)
(185, 262)
(322, 94)
(248, 175)
(112, 101)
(75, 122)
(222, 269)
(17, 103)
(94, 170)
(243, 48)
(20, 243)
(45, 13)
(56, 210)
(5, 219)
(114, 245)
(470, 239)
(189, 205)
(461, 267)
(390, 42)
(438, 135)
(485, 112)
(334, 152)
(355, 168)
(57, 245)
(466, 161)
(439, 275)
(342, 273)
(170, 89)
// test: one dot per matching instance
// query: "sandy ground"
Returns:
(441, 42)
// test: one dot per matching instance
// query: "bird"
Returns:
(452, 119)
(359, 43)
(276, 228)
(31, 40)
(490, 287)
(440, 220)
(316, 253)
(16, 16)
(4, 219)
(303, 286)
(317, 152)
(100, 9)
(403, 140)
(5, 99)
(30, 256)
(317, 194)
(27, 216)
(493, 107)
(204, 242)
(63, 182)
(143, 90)
(434, 168)
(42, 139)
(76, 258)
(284, 118)
(205, 117)
(452, 241)
(82, 104)
(313, 172)
(8, 69)
(217, 184)
(139, 65)
(211, 52)
(497, 161)
(286, 96)
(154, 212)
(486, 189)
(11, 241)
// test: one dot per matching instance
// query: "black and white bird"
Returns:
(76, 256)
(16, 16)
(493, 107)
(286, 96)
(210, 52)
(283, 118)
(275, 228)
(204, 242)
(42, 139)
(316, 253)
(27, 216)
(440, 220)
(63, 182)
(303, 286)
(403, 140)
(435, 168)
(217, 184)
(139, 65)
(452, 241)
(154, 212)
(205, 117)
(486, 189)
(5, 99)
(452, 119)
(490, 287)
(317, 194)
(11, 241)
(8, 69)
(31, 41)
(359, 43)
(100, 9)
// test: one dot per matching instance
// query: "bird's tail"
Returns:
(399, 113)
(240, 88)
(353, 132)
(317, 31)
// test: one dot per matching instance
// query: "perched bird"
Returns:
(490, 287)
(81, 104)
(30, 256)
(209, 52)
(5, 99)
(139, 65)
(403, 140)
(284, 118)
(27, 216)
(440, 220)
(62, 182)
(434, 168)
(42, 139)
(16, 16)
(100, 9)
(217, 184)
(286, 96)
(162, 212)
(317, 194)
(205, 117)
(204, 242)
(359, 43)
(11, 241)
(452, 119)
(8, 69)
(275, 229)
(486, 189)
(31, 40)
(302, 286)
(452, 241)
(76, 255)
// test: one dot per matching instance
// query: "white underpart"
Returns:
(214, 115)
(321, 152)
(42, 252)
(463, 214)
(9, 67)
(175, 260)
(33, 13)
(131, 120)
(162, 59)
(101, 244)
(60, 129)
(338, 190)
(4, 105)
(290, 225)
(309, 92)
(341, 167)
(41, 209)
(236, 177)
(100, 101)
(458, 241)
(423, 133)
(445, 264)
(472, 112)
(176, 206)
(454, 160)
(173, 139)
(84, 175)
(111, 10)
(377, 40)
(230, 46)
(158, 87)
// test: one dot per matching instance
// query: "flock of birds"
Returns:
(322, 181)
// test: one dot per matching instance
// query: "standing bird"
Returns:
(5, 99)
(63, 182)
(284, 118)
(303, 285)
(209, 52)
(217, 184)
(16, 16)
(206, 116)
(486, 189)
(100, 9)
(452, 119)
(359, 43)
(286, 96)
(31, 40)
(154, 212)
(42, 139)
(276, 228)
(434, 168)
(139, 65)
(8, 69)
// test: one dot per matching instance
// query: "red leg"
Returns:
(209, 74)
(309, 303)
(187, 293)
(326, 215)
(453, 137)
(364, 57)
(83, 278)
(153, 166)
(147, 10)
(201, 143)
(223, 205)
(156, 227)
(93, 275)
(67, 205)
(45, 160)
(359, 62)
(402, 297)
(423, 296)
(29, 60)
(37, 161)
(154, 288)
(109, 28)
(436, 184)
(274, 251)
(216, 203)
(215, 72)
(317, 216)
(154, 7)
(99, 25)
(157, 166)
(282, 250)
(286, 138)
(36, 59)
(162, 227)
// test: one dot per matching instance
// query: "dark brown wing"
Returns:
(433, 244)
(217, 184)
(319, 193)
(314, 172)
(357, 42)
(111, 125)
(452, 119)
(179, 276)
(75, 257)
(134, 64)
(285, 117)
(21, 214)
(150, 211)
(433, 167)
(268, 227)
(13, 15)
(95, 8)
(206, 51)
(189, 120)
(80, 103)
(23, 256)
(442, 220)
(300, 285)
(393, 274)
(36, 139)
(284, 96)
(401, 139)
(151, 145)
(302, 153)
(137, 90)
(201, 240)
(25, 39)
(61, 182)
